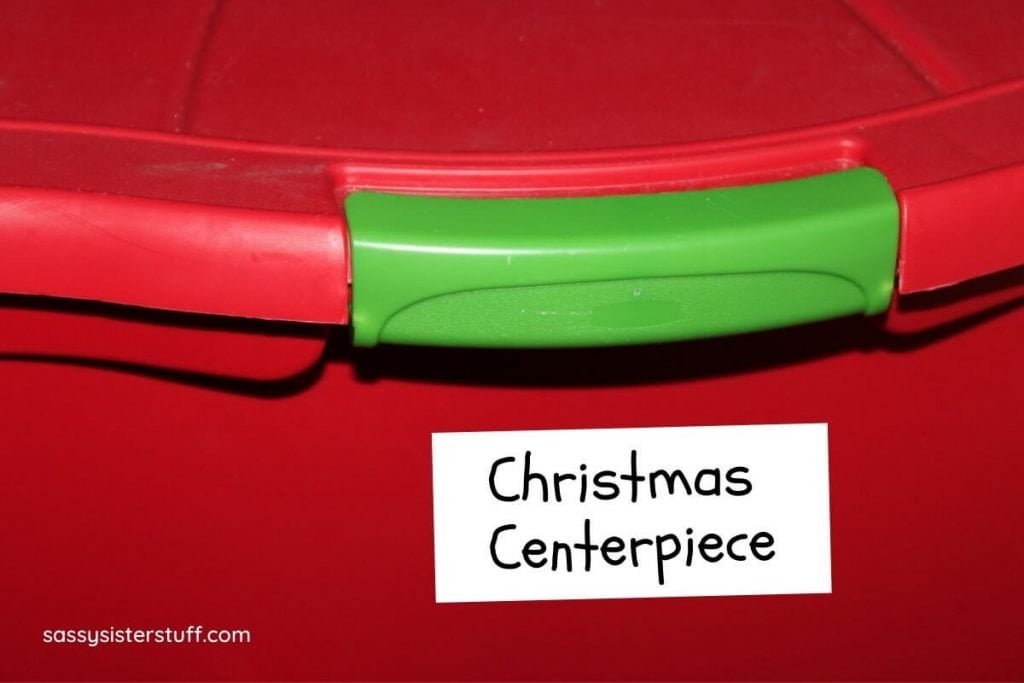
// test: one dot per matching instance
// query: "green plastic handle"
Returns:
(588, 271)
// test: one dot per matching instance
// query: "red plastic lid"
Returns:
(254, 119)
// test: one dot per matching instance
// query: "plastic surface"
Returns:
(956, 307)
(620, 270)
(250, 107)
(173, 256)
(946, 221)
(123, 338)
(306, 518)
(301, 508)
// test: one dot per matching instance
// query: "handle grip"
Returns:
(588, 271)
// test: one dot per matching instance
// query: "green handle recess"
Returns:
(587, 271)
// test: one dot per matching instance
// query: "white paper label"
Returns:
(626, 513)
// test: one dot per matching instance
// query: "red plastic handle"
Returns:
(174, 256)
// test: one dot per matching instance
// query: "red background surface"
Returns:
(303, 512)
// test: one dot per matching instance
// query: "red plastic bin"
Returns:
(191, 437)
